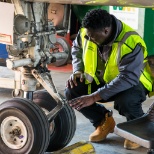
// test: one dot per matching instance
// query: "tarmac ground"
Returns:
(113, 143)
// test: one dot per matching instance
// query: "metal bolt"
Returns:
(23, 82)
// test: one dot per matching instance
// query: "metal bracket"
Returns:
(46, 81)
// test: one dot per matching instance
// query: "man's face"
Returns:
(97, 36)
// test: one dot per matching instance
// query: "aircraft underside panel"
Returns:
(133, 3)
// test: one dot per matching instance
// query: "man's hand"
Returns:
(84, 101)
(72, 80)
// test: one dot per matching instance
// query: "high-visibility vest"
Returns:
(124, 44)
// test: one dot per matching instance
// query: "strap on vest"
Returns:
(88, 81)
(127, 34)
(96, 80)
(89, 88)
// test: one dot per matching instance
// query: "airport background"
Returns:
(141, 19)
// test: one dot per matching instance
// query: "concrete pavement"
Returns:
(112, 145)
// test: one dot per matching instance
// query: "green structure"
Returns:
(149, 30)
(80, 10)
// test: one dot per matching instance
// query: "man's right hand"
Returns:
(72, 80)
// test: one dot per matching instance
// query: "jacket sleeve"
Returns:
(130, 68)
(77, 53)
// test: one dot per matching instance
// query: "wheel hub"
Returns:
(13, 132)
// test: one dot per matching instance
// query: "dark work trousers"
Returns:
(128, 102)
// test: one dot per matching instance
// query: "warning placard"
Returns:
(7, 39)
(6, 23)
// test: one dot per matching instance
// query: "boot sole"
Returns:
(132, 148)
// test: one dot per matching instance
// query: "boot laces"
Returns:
(106, 117)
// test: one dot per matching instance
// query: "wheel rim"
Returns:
(13, 132)
(61, 46)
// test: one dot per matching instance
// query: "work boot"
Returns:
(130, 145)
(105, 127)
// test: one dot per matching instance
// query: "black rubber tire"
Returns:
(36, 124)
(65, 121)
(66, 48)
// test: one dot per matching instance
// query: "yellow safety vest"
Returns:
(119, 49)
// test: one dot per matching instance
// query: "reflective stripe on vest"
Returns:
(123, 41)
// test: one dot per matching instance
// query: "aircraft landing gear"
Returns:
(24, 126)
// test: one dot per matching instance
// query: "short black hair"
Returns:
(97, 19)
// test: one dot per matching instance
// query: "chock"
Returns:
(82, 147)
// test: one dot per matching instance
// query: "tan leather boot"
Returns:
(130, 145)
(106, 127)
